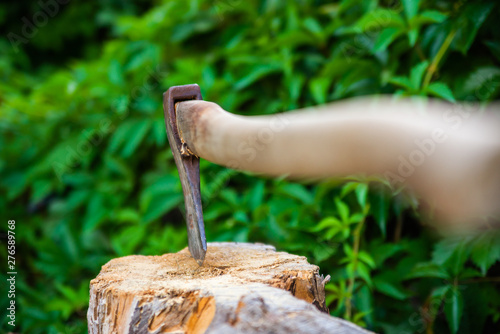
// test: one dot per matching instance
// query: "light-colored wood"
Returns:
(241, 288)
(446, 153)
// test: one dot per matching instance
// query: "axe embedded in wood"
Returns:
(447, 153)
(188, 166)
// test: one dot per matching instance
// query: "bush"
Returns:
(87, 173)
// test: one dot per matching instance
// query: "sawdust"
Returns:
(221, 259)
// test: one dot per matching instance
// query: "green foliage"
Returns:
(87, 174)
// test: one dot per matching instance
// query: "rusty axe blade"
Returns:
(188, 166)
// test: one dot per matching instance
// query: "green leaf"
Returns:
(428, 16)
(241, 216)
(379, 18)
(127, 215)
(412, 37)
(120, 135)
(76, 199)
(115, 73)
(362, 194)
(483, 83)
(118, 166)
(231, 197)
(410, 8)
(322, 252)
(159, 198)
(126, 242)
(158, 206)
(469, 273)
(209, 76)
(468, 23)
(326, 222)
(183, 31)
(444, 250)
(485, 252)
(96, 212)
(417, 74)
(401, 82)
(257, 72)
(427, 270)
(356, 218)
(256, 195)
(364, 272)
(40, 190)
(333, 231)
(389, 289)
(348, 251)
(494, 47)
(453, 309)
(383, 251)
(379, 208)
(295, 84)
(385, 38)
(159, 132)
(451, 254)
(319, 89)
(299, 192)
(366, 258)
(313, 26)
(357, 318)
(348, 188)
(135, 137)
(441, 90)
(441, 291)
(343, 210)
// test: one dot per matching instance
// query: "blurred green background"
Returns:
(87, 173)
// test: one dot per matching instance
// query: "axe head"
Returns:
(188, 166)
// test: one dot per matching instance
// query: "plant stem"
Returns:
(437, 58)
(481, 280)
(428, 316)
(420, 53)
(350, 287)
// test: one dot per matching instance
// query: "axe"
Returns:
(448, 154)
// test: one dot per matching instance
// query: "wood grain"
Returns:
(241, 288)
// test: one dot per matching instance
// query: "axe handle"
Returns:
(442, 151)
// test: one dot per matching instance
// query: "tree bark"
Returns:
(241, 288)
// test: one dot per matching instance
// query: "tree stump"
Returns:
(241, 288)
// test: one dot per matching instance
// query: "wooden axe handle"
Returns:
(445, 152)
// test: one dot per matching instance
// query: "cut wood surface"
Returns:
(241, 288)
